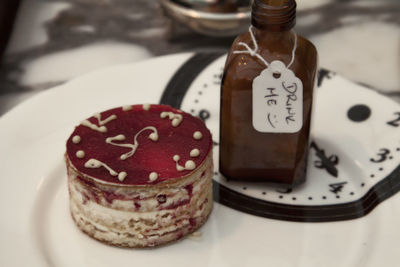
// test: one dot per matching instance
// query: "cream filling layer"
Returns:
(133, 239)
(125, 225)
(146, 202)
(156, 218)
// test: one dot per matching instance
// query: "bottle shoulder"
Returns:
(307, 44)
(304, 48)
(307, 53)
(243, 38)
(243, 65)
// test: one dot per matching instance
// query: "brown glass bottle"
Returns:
(245, 153)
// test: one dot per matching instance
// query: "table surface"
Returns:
(55, 41)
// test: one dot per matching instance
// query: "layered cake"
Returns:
(140, 176)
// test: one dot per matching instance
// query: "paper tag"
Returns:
(277, 100)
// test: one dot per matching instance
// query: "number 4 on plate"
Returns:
(337, 187)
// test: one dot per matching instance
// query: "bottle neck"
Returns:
(273, 15)
(280, 40)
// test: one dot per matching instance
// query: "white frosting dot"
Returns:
(80, 154)
(146, 106)
(194, 153)
(127, 107)
(153, 176)
(163, 114)
(197, 135)
(176, 158)
(76, 139)
(122, 176)
(153, 136)
(190, 165)
(176, 122)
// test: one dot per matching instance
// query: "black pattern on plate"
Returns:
(184, 76)
(387, 187)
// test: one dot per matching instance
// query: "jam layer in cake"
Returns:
(140, 175)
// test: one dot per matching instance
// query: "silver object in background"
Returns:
(210, 17)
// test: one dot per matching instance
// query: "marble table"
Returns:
(55, 41)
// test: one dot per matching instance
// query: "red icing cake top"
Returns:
(139, 145)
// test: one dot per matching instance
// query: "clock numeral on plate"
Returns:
(218, 77)
(382, 155)
(337, 187)
(204, 115)
(322, 75)
(395, 122)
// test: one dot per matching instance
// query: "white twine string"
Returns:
(293, 50)
(253, 52)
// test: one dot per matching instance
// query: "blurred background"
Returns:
(44, 43)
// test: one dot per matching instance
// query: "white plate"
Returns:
(36, 228)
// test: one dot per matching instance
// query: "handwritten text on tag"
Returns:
(277, 100)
